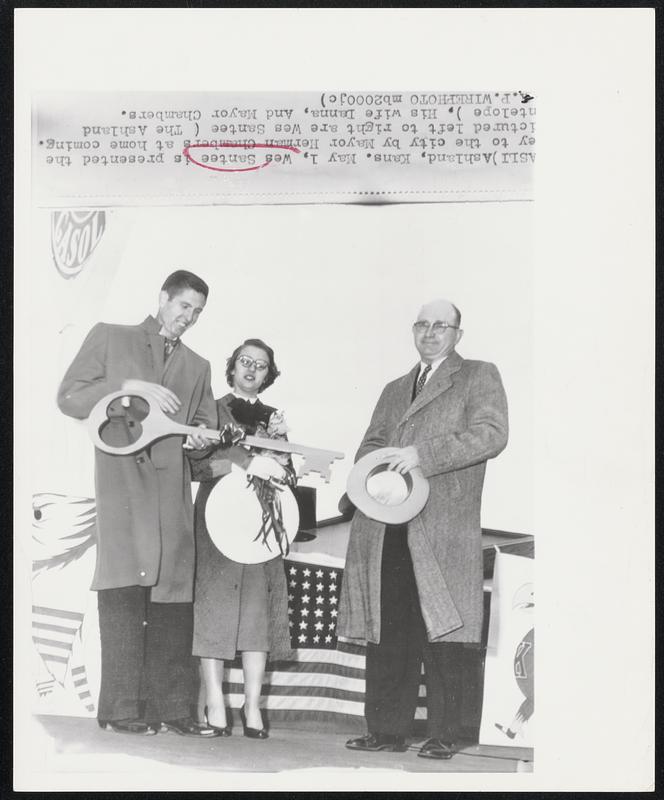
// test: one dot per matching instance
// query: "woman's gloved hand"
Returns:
(266, 468)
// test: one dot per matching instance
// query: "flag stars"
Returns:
(313, 602)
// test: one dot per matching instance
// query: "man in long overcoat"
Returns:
(145, 549)
(414, 592)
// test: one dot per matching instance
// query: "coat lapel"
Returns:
(154, 345)
(437, 384)
(404, 392)
(223, 409)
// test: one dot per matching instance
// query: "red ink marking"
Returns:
(187, 154)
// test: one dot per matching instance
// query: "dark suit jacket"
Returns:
(144, 507)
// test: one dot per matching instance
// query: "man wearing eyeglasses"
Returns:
(145, 542)
(413, 592)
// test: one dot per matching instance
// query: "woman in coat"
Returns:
(240, 607)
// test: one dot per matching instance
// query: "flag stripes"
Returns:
(272, 690)
(53, 632)
(312, 703)
(317, 667)
(45, 687)
(52, 643)
(80, 679)
(75, 616)
(43, 626)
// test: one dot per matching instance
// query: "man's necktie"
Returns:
(169, 346)
(422, 379)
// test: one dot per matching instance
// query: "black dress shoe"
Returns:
(227, 731)
(187, 727)
(436, 748)
(373, 742)
(135, 726)
(252, 733)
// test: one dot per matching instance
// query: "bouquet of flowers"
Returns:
(268, 491)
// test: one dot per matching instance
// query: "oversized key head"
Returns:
(123, 422)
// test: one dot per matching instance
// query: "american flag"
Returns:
(323, 686)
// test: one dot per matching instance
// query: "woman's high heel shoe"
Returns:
(252, 733)
(227, 731)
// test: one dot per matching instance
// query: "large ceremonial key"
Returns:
(143, 422)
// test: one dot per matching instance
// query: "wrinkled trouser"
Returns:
(147, 669)
(393, 667)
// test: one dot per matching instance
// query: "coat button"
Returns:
(142, 573)
(140, 460)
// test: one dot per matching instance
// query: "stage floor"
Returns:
(78, 745)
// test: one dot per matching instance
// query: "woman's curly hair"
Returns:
(272, 371)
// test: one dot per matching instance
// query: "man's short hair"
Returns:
(457, 321)
(180, 280)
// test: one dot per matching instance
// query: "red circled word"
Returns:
(271, 160)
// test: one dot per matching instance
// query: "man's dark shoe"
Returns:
(135, 726)
(186, 726)
(436, 748)
(373, 742)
